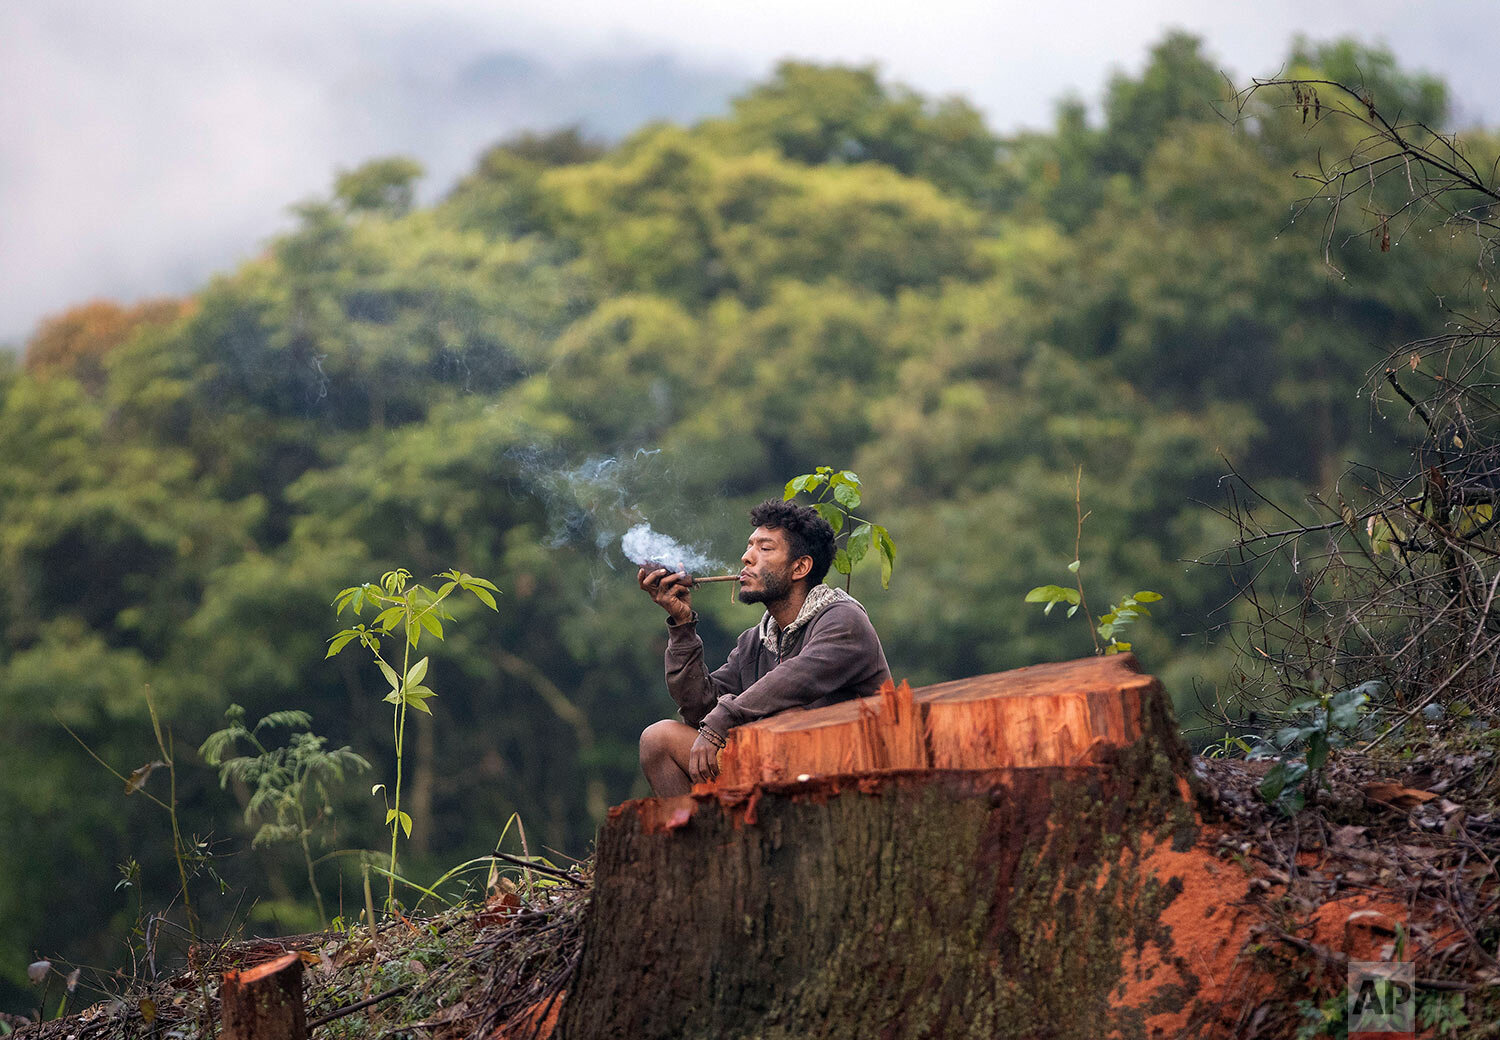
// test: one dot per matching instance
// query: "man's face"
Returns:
(766, 568)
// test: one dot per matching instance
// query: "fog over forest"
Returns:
(150, 144)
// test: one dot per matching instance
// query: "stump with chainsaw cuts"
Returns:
(984, 858)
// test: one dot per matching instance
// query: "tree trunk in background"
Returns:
(421, 784)
(918, 901)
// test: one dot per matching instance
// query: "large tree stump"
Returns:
(1046, 715)
(264, 1002)
(990, 868)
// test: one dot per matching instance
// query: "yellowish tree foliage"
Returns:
(75, 342)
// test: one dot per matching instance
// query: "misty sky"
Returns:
(145, 144)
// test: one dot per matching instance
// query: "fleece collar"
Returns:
(819, 599)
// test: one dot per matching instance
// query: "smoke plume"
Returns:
(602, 504)
(642, 545)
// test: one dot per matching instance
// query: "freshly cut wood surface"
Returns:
(264, 1002)
(1066, 714)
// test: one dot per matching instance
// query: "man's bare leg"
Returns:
(665, 746)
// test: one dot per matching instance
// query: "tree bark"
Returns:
(265, 1002)
(998, 900)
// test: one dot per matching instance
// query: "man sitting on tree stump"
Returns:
(814, 646)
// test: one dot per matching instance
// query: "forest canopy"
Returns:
(580, 336)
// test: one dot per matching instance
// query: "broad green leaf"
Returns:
(859, 543)
(849, 476)
(406, 824)
(832, 513)
(1147, 597)
(846, 496)
(841, 561)
(484, 597)
(1282, 775)
(1317, 751)
(887, 554)
(387, 618)
(430, 622)
(418, 671)
(1344, 711)
(1271, 785)
(340, 641)
(447, 588)
(390, 674)
(1052, 594)
(482, 583)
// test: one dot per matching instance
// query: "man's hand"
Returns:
(703, 760)
(670, 591)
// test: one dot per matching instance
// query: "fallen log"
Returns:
(992, 865)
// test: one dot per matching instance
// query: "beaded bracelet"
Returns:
(712, 737)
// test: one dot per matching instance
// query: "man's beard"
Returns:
(775, 586)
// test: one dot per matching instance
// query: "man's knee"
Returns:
(655, 741)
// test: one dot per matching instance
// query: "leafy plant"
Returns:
(1322, 723)
(405, 611)
(837, 493)
(192, 857)
(1328, 1018)
(290, 784)
(1120, 614)
(1442, 1012)
(1227, 746)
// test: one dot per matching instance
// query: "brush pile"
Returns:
(499, 969)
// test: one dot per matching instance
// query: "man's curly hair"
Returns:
(807, 533)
